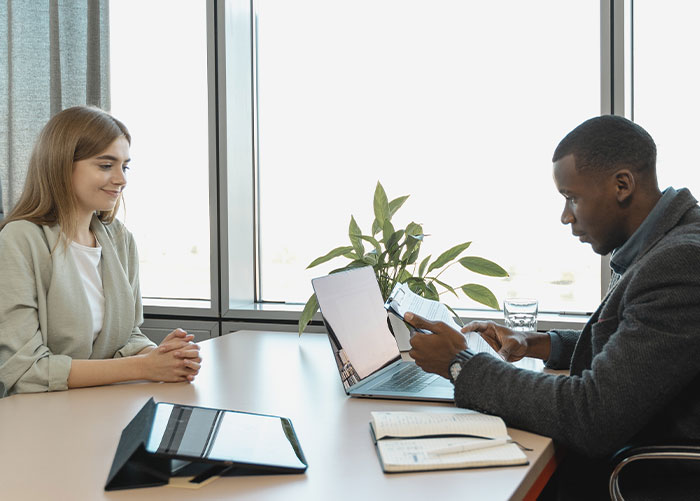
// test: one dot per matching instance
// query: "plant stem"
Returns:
(444, 269)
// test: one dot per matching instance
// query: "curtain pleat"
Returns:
(53, 55)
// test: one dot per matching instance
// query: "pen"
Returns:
(485, 444)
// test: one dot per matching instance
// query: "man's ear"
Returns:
(625, 185)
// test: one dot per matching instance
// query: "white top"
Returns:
(87, 259)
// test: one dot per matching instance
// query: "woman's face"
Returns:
(99, 180)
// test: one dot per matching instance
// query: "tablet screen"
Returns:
(219, 435)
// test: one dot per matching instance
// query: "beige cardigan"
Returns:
(44, 314)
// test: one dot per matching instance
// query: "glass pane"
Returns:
(459, 104)
(666, 83)
(158, 57)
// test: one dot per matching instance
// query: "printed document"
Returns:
(403, 300)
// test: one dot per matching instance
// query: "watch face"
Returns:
(455, 369)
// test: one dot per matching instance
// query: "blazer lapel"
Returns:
(119, 304)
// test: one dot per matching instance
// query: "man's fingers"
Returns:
(476, 326)
(418, 321)
(504, 353)
(491, 339)
(417, 340)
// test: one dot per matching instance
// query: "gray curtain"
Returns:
(53, 55)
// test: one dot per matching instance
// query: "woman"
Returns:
(70, 303)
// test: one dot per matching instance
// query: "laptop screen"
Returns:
(353, 310)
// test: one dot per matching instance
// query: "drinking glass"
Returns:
(520, 314)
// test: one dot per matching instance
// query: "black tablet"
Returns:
(254, 441)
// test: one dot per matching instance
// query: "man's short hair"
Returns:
(608, 142)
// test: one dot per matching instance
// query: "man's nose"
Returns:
(566, 216)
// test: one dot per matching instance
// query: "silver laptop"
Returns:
(365, 351)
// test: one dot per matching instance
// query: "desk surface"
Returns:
(60, 445)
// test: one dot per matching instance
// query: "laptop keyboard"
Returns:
(411, 378)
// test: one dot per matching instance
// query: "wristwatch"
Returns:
(458, 362)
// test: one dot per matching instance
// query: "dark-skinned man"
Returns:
(635, 366)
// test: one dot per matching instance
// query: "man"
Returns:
(635, 366)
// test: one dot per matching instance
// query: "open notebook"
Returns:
(420, 441)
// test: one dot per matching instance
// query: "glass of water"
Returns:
(521, 314)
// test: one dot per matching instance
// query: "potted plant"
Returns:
(393, 254)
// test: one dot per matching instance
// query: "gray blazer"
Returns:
(635, 367)
(44, 314)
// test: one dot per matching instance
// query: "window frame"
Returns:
(202, 309)
(233, 166)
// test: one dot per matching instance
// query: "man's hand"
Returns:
(511, 345)
(434, 352)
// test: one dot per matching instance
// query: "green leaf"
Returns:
(375, 227)
(355, 235)
(417, 285)
(394, 239)
(381, 205)
(338, 251)
(413, 256)
(414, 236)
(370, 258)
(454, 313)
(357, 263)
(395, 258)
(308, 313)
(431, 292)
(403, 276)
(483, 266)
(396, 204)
(374, 242)
(387, 232)
(423, 264)
(481, 294)
(446, 286)
(414, 229)
(448, 256)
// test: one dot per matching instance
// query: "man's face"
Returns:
(591, 206)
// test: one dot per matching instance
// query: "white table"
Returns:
(60, 445)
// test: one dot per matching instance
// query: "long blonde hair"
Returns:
(71, 135)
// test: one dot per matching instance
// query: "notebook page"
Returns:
(415, 454)
(421, 424)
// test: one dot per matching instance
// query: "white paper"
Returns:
(406, 455)
(403, 300)
(421, 424)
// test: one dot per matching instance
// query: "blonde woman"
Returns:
(70, 303)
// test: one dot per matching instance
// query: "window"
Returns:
(159, 90)
(666, 83)
(286, 114)
(458, 104)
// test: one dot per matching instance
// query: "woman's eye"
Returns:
(125, 168)
(106, 166)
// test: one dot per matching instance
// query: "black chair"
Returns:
(683, 486)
